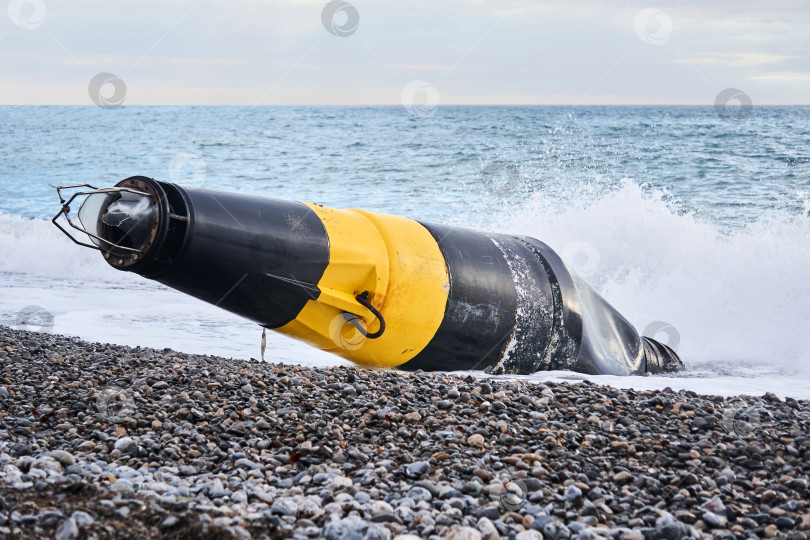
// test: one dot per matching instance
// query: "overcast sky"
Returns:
(469, 51)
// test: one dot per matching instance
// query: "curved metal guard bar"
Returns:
(66, 211)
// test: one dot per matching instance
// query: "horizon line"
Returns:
(395, 105)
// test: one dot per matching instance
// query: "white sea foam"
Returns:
(738, 301)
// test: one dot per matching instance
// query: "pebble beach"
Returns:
(106, 441)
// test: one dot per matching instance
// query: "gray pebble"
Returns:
(418, 468)
(284, 506)
(67, 530)
(127, 445)
(573, 493)
(169, 522)
(82, 519)
(420, 494)
(65, 458)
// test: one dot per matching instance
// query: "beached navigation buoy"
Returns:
(377, 289)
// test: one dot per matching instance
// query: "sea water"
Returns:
(694, 227)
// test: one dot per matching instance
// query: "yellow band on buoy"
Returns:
(400, 263)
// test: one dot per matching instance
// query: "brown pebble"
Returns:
(622, 476)
(476, 440)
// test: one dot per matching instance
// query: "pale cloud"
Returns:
(737, 59)
(440, 68)
(785, 76)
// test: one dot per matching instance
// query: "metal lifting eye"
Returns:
(362, 298)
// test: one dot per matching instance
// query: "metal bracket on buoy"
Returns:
(362, 298)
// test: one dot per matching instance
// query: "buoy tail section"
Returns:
(594, 338)
(660, 358)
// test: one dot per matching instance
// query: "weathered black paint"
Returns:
(253, 256)
(514, 307)
(481, 304)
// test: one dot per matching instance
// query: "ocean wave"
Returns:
(737, 299)
(36, 248)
